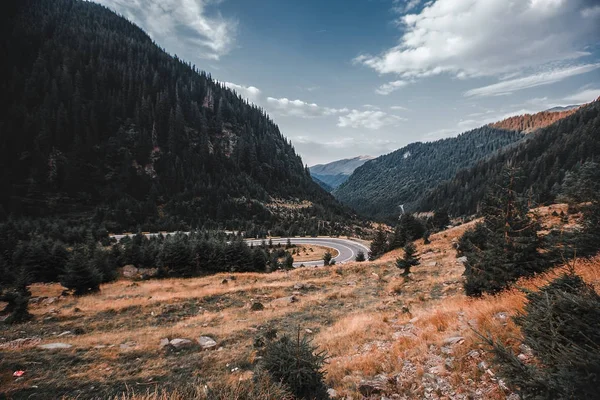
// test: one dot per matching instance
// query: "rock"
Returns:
(454, 340)
(284, 300)
(257, 306)
(522, 357)
(50, 300)
(332, 393)
(482, 366)
(432, 264)
(224, 281)
(299, 286)
(129, 271)
(308, 331)
(375, 386)
(206, 342)
(181, 343)
(65, 333)
(163, 343)
(127, 345)
(55, 346)
(462, 260)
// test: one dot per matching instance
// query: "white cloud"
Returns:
(584, 96)
(542, 78)
(299, 108)
(251, 93)
(368, 119)
(467, 38)
(407, 5)
(391, 87)
(591, 12)
(182, 26)
(398, 108)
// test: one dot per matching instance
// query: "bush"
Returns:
(561, 325)
(80, 275)
(360, 256)
(327, 257)
(296, 364)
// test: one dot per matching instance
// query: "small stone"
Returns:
(308, 331)
(522, 357)
(206, 342)
(462, 260)
(454, 340)
(432, 264)
(65, 333)
(181, 343)
(482, 366)
(55, 346)
(374, 386)
(127, 345)
(332, 393)
(163, 343)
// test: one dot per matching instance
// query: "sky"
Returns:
(344, 78)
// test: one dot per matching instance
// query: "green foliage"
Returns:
(561, 326)
(379, 244)
(80, 275)
(17, 299)
(409, 228)
(360, 256)
(410, 259)
(104, 123)
(406, 175)
(548, 156)
(296, 363)
(505, 246)
(327, 257)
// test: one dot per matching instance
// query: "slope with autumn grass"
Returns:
(528, 123)
(385, 335)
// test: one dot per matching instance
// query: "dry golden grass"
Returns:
(312, 253)
(369, 318)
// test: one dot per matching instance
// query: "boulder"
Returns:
(206, 342)
(164, 342)
(282, 301)
(376, 385)
(55, 346)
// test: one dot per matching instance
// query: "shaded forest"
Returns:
(548, 156)
(98, 121)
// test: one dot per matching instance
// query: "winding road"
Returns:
(347, 249)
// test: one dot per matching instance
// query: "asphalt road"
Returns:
(347, 249)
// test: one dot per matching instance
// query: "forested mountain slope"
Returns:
(545, 159)
(96, 119)
(337, 172)
(377, 188)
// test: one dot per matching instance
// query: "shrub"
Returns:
(80, 274)
(327, 257)
(409, 260)
(561, 325)
(296, 364)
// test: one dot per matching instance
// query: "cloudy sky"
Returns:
(364, 77)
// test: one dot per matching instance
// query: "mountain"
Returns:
(335, 173)
(380, 186)
(546, 158)
(528, 123)
(97, 121)
(325, 186)
(565, 108)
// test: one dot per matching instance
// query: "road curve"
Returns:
(347, 249)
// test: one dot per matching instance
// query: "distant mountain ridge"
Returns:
(380, 186)
(563, 108)
(335, 173)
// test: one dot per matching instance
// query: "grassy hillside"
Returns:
(410, 337)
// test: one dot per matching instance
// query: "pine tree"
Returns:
(327, 257)
(505, 246)
(378, 245)
(409, 260)
(360, 256)
(80, 275)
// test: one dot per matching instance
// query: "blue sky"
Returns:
(364, 77)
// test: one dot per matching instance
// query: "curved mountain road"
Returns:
(347, 249)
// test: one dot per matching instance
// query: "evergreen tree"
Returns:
(505, 246)
(360, 256)
(561, 326)
(378, 245)
(410, 259)
(327, 257)
(80, 275)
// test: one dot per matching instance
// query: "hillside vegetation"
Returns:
(547, 156)
(380, 186)
(531, 122)
(98, 121)
(385, 334)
